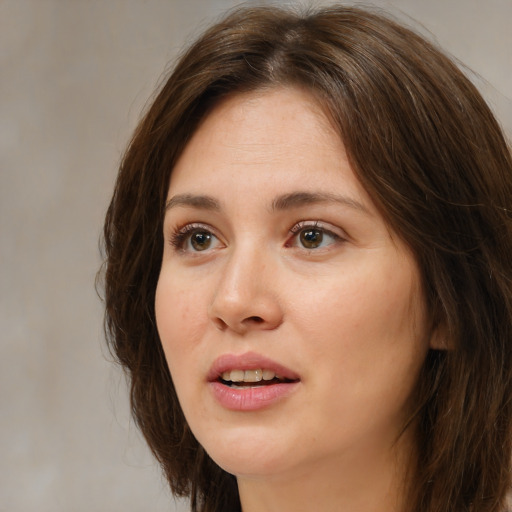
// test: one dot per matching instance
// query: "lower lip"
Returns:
(251, 399)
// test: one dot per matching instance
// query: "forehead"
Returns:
(265, 140)
(265, 112)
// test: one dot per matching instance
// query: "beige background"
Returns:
(74, 77)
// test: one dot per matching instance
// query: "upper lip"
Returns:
(248, 361)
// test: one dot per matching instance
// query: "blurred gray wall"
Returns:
(74, 75)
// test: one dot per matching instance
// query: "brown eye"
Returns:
(200, 240)
(193, 238)
(311, 238)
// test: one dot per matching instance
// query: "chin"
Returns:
(249, 466)
(246, 453)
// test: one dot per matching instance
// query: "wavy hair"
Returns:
(428, 150)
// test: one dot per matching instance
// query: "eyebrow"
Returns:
(193, 201)
(297, 199)
(280, 203)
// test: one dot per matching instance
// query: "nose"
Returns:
(246, 297)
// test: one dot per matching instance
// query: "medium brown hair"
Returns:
(431, 155)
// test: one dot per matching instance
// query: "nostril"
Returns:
(220, 324)
(255, 319)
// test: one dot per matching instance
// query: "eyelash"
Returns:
(303, 225)
(182, 235)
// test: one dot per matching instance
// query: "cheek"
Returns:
(364, 303)
(180, 319)
(366, 322)
(180, 322)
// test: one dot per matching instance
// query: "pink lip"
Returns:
(250, 399)
(248, 361)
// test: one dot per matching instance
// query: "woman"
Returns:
(308, 272)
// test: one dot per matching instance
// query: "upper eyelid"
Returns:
(306, 224)
(188, 227)
(318, 224)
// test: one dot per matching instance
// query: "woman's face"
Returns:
(291, 317)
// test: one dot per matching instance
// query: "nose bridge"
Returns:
(245, 297)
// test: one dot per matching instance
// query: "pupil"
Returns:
(311, 238)
(201, 240)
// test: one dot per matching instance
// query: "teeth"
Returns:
(237, 376)
(248, 375)
(268, 374)
(253, 375)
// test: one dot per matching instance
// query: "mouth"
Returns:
(243, 379)
(250, 382)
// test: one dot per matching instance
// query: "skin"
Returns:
(347, 315)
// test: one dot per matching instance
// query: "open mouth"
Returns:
(250, 382)
(243, 379)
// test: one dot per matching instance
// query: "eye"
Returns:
(312, 236)
(200, 240)
(194, 238)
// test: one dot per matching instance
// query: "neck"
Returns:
(359, 482)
